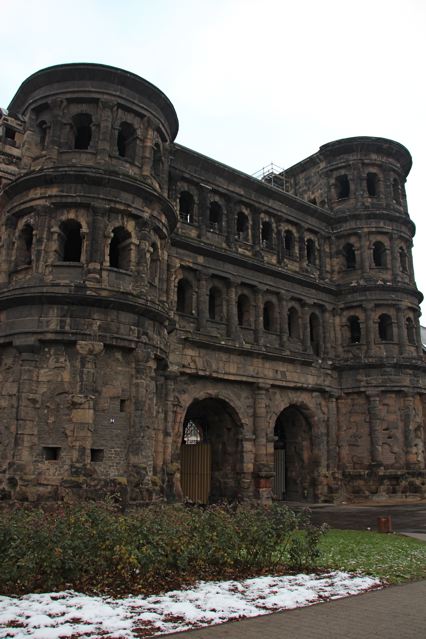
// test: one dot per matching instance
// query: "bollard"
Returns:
(384, 524)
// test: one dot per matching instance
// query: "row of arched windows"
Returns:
(373, 187)
(69, 247)
(385, 329)
(379, 256)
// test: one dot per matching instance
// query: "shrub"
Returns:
(94, 548)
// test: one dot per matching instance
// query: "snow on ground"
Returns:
(70, 614)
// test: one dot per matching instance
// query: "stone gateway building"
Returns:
(172, 327)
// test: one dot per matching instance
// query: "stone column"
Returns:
(163, 453)
(418, 335)
(256, 232)
(322, 258)
(408, 415)
(369, 330)
(365, 261)
(106, 109)
(147, 147)
(263, 466)
(410, 263)
(230, 224)
(232, 319)
(358, 186)
(97, 238)
(27, 402)
(7, 250)
(327, 342)
(283, 320)
(258, 317)
(394, 258)
(337, 331)
(203, 211)
(332, 433)
(402, 335)
(202, 298)
(302, 246)
(306, 337)
(374, 418)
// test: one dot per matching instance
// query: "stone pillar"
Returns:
(332, 433)
(302, 246)
(256, 232)
(258, 317)
(408, 415)
(374, 418)
(27, 403)
(369, 330)
(163, 453)
(230, 224)
(202, 297)
(104, 150)
(402, 335)
(263, 466)
(322, 258)
(97, 240)
(7, 249)
(327, 341)
(410, 263)
(232, 319)
(203, 211)
(394, 258)
(358, 186)
(141, 436)
(306, 336)
(147, 153)
(418, 335)
(283, 320)
(337, 331)
(365, 261)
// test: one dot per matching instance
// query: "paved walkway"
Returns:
(398, 612)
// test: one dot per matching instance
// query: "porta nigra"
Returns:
(173, 328)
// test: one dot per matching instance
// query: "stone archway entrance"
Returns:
(293, 456)
(210, 452)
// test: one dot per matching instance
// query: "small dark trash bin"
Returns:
(384, 524)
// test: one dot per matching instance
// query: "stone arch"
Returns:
(211, 464)
(295, 430)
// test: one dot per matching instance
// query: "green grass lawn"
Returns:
(394, 558)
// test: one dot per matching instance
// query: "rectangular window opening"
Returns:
(123, 405)
(96, 454)
(51, 453)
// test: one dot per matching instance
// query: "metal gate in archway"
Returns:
(196, 471)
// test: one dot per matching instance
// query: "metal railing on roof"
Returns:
(272, 174)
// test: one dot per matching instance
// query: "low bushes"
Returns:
(93, 548)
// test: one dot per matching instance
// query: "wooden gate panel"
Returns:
(196, 472)
(279, 479)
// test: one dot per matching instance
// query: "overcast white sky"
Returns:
(252, 81)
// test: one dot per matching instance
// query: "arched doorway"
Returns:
(293, 479)
(210, 451)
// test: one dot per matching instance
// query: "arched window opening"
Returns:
(193, 433)
(215, 217)
(215, 303)
(403, 260)
(267, 234)
(126, 141)
(313, 200)
(184, 297)
(186, 207)
(411, 332)
(157, 161)
(311, 252)
(42, 133)
(349, 255)
(82, 123)
(243, 311)
(396, 191)
(293, 323)
(269, 317)
(70, 241)
(120, 249)
(242, 227)
(379, 254)
(289, 243)
(315, 333)
(372, 184)
(342, 187)
(385, 328)
(24, 247)
(354, 329)
(154, 265)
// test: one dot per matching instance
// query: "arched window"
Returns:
(120, 249)
(267, 234)
(242, 226)
(243, 310)
(269, 317)
(379, 254)
(311, 252)
(70, 241)
(315, 333)
(289, 243)
(411, 332)
(349, 256)
(154, 265)
(126, 141)
(354, 329)
(82, 124)
(403, 261)
(215, 217)
(184, 296)
(215, 303)
(193, 433)
(293, 323)
(396, 191)
(186, 207)
(385, 328)
(157, 161)
(372, 184)
(42, 133)
(342, 187)
(24, 248)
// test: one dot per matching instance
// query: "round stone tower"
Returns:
(84, 315)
